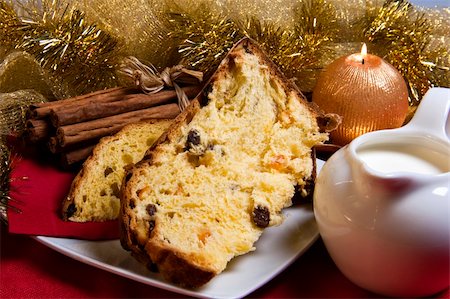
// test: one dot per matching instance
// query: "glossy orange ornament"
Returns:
(369, 94)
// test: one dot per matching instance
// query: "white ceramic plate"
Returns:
(277, 248)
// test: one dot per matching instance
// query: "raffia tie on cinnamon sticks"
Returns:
(149, 80)
(72, 127)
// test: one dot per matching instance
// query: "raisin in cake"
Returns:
(94, 193)
(223, 172)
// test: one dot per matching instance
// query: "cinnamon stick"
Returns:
(53, 145)
(37, 130)
(94, 129)
(41, 110)
(55, 148)
(77, 155)
(94, 109)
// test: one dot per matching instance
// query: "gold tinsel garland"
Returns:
(319, 33)
(194, 36)
(83, 41)
(402, 35)
(79, 55)
(9, 22)
(8, 19)
(203, 36)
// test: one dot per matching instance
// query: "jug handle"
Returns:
(432, 115)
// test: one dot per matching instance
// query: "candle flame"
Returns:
(364, 50)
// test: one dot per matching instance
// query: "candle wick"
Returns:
(362, 61)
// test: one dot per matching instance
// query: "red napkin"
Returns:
(37, 189)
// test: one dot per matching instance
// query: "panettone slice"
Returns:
(94, 193)
(223, 172)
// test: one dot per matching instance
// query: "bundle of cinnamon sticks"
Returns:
(72, 127)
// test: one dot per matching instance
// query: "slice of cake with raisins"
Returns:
(94, 193)
(223, 172)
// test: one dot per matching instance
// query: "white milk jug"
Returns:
(382, 204)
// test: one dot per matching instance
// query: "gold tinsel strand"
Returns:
(315, 27)
(5, 169)
(281, 45)
(205, 35)
(439, 64)
(72, 49)
(7, 160)
(9, 21)
(401, 35)
(201, 37)
(316, 17)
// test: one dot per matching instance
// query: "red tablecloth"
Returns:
(29, 269)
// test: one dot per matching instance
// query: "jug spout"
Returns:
(432, 115)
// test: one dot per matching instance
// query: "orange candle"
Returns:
(369, 94)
